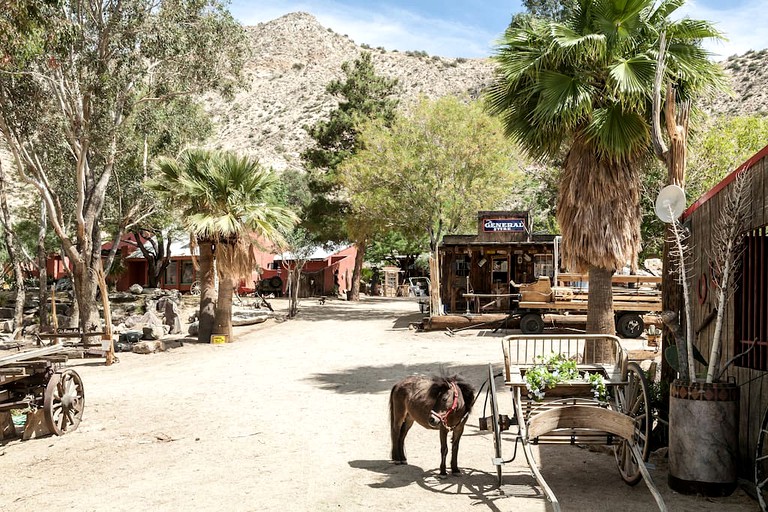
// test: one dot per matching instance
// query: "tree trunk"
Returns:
(435, 305)
(42, 264)
(600, 313)
(207, 292)
(13, 256)
(222, 323)
(85, 286)
(359, 257)
(600, 318)
(294, 278)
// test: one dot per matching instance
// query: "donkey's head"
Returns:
(451, 402)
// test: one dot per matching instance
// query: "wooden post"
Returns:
(107, 336)
(54, 318)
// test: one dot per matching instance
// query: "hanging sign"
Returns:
(503, 225)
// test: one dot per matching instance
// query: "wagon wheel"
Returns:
(761, 464)
(64, 401)
(633, 400)
(194, 288)
(498, 461)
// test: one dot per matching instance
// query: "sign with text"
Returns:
(504, 225)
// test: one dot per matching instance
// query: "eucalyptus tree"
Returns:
(73, 74)
(586, 84)
(430, 172)
(224, 201)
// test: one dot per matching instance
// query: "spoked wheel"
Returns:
(498, 460)
(194, 288)
(64, 402)
(761, 464)
(633, 400)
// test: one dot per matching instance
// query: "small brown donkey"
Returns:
(435, 403)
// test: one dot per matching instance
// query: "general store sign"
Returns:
(503, 225)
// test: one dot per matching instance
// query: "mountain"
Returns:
(293, 59)
(748, 74)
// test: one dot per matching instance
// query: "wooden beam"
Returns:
(581, 416)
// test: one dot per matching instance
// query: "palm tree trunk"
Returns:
(359, 257)
(600, 312)
(223, 318)
(207, 292)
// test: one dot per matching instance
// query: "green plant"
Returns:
(550, 371)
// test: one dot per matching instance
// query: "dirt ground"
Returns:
(293, 416)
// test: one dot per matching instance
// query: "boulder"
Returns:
(153, 332)
(6, 326)
(136, 289)
(121, 297)
(148, 347)
(172, 317)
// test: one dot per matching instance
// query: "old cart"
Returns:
(33, 380)
(569, 413)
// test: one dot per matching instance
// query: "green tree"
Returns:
(223, 201)
(587, 84)
(72, 77)
(430, 172)
(363, 95)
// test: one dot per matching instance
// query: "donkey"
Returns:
(435, 403)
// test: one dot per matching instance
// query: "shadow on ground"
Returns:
(477, 485)
(377, 379)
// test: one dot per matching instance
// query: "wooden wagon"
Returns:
(569, 412)
(34, 381)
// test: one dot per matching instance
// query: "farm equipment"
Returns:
(570, 412)
(34, 381)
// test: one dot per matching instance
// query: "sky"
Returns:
(470, 28)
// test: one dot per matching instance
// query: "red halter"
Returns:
(444, 416)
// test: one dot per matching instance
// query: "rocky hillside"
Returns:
(294, 58)
(749, 73)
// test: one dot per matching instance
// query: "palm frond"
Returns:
(634, 75)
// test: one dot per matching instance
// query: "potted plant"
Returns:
(704, 410)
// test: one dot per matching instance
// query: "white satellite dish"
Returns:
(670, 203)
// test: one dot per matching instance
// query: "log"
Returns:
(438, 323)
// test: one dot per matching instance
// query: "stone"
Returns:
(6, 326)
(172, 317)
(136, 289)
(121, 297)
(153, 332)
(148, 347)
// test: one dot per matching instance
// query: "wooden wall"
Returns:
(702, 219)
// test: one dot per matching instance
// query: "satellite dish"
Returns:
(670, 203)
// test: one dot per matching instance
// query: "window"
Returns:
(500, 270)
(750, 309)
(462, 265)
(172, 273)
(187, 272)
(544, 265)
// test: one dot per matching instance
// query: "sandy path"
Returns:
(293, 416)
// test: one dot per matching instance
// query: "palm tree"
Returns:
(225, 203)
(586, 85)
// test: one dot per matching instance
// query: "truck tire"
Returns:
(630, 325)
(532, 323)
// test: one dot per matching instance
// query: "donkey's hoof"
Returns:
(399, 462)
(455, 471)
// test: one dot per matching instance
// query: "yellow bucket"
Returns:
(219, 339)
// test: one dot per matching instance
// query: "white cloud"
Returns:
(385, 26)
(740, 22)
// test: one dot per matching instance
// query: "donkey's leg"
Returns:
(404, 428)
(455, 438)
(443, 448)
(397, 414)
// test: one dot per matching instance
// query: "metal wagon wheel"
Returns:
(64, 401)
(761, 463)
(194, 288)
(498, 461)
(633, 400)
